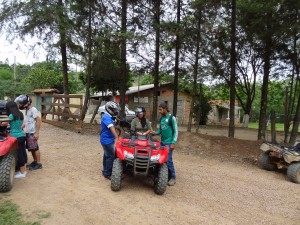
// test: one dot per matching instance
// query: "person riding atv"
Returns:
(142, 157)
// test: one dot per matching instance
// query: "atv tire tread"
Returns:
(116, 175)
(7, 167)
(160, 185)
(264, 162)
(293, 172)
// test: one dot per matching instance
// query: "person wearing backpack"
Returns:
(168, 130)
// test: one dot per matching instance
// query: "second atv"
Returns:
(140, 156)
(278, 157)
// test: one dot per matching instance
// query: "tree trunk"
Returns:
(63, 49)
(264, 92)
(123, 72)
(246, 120)
(156, 64)
(199, 111)
(295, 124)
(273, 127)
(286, 115)
(89, 66)
(96, 111)
(296, 65)
(232, 69)
(189, 128)
(177, 49)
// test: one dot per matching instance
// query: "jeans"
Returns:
(108, 159)
(170, 163)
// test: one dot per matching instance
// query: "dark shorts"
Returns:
(31, 143)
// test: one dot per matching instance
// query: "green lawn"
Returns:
(279, 126)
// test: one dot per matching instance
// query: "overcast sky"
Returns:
(21, 51)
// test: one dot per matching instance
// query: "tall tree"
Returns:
(232, 69)
(177, 51)
(123, 71)
(198, 16)
(42, 19)
(156, 24)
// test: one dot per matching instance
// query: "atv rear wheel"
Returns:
(264, 161)
(116, 175)
(293, 172)
(7, 172)
(161, 182)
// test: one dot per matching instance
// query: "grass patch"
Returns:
(278, 126)
(10, 215)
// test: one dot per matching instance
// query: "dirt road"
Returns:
(218, 183)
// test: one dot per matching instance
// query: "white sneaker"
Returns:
(21, 175)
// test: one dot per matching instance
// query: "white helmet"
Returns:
(24, 101)
(112, 108)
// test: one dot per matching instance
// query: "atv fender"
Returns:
(8, 146)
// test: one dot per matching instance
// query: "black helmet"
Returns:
(23, 101)
(112, 108)
(140, 110)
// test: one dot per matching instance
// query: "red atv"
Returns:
(8, 152)
(140, 156)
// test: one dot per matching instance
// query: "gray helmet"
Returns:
(140, 110)
(23, 101)
(112, 108)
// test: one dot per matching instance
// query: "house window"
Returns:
(141, 100)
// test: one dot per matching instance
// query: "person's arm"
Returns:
(132, 127)
(148, 127)
(37, 127)
(175, 133)
(113, 130)
(7, 120)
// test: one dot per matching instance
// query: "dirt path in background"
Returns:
(218, 183)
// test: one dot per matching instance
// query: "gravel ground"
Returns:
(218, 183)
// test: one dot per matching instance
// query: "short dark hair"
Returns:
(163, 105)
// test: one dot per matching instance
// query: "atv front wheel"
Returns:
(264, 161)
(293, 172)
(161, 182)
(116, 175)
(7, 172)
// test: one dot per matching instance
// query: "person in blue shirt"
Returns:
(108, 136)
(16, 119)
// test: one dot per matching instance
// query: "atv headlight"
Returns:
(155, 157)
(128, 155)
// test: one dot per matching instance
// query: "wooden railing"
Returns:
(57, 110)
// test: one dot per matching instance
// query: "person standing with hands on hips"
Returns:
(168, 130)
(108, 136)
(32, 129)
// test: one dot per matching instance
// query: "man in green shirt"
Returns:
(168, 130)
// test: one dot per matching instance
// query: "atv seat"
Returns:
(3, 133)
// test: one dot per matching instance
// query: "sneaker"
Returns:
(21, 175)
(36, 166)
(172, 182)
(32, 164)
